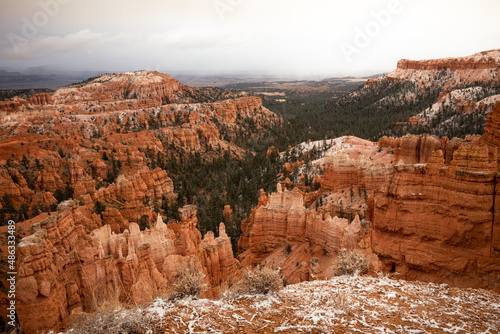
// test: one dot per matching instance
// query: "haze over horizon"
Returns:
(282, 38)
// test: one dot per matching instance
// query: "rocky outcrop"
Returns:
(282, 221)
(13, 184)
(243, 107)
(14, 105)
(106, 143)
(412, 149)
(449, 86)
(41, 99)
(65, 268)
(158, 88)
(102, 137)
(480, 67)
(491, 135)
(483, 60)
(430, 206)
(435, 222)
(342, 172)
(145, 184)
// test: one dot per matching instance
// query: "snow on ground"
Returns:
(490, 100)
(320, 145)
(340, 305)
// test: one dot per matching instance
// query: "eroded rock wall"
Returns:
(65, 267)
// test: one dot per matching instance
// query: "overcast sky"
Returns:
(278, 37)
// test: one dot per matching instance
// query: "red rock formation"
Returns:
(272, 150)
(13, 184)
(216, 255)
(244, 107)
(480, 67)
(148, 86)
(491, 135)
(14, 105)
(483, 60)
(228, 213)
(434, 222)
(412, 149)
(446, 76)
(64, 270)
(102, 141)
(41, 99)
(356, 162)
(431, 204)
(283, 221)
(342, 172)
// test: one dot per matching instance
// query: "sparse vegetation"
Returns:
(350, 262)
(64, 194)
(99, 207)
(114, 321)
(144, 222)
(189, 283)
(261, 280)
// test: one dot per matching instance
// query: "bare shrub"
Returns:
(260, 280)
(340, 301)
(350, 262)
(189, 282)
(117, 321)
(107, 299)
(110, 315)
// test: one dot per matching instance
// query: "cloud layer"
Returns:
(22, 48)
(285, 37)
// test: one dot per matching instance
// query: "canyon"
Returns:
(80, 176)
(82, 172)
(418, 206)
(68, 266)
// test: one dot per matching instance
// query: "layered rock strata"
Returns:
(65, 267)
(282, 222)
(431, 204)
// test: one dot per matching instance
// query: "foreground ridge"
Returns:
(339, 305)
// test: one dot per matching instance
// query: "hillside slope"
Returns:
(444, 97)
(339, 305)
(83, 173)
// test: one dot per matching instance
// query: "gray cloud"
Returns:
(43, 46)
(189, 38)
(280, 37)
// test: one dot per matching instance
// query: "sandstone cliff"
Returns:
(491, 135)
(85, 136)
(156, 87)
(444, 97)
(105, 143)
(65, 267)
(282, 232)
(429, 205)
(435, 221)
(483, 66)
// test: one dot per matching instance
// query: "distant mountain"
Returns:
(445, 97)
(42, 77)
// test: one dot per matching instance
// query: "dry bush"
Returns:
(117, 321)
(340, 301)
(350, 262)
(110, 315)
(107, 299)
(189, 282)
(260, 280)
